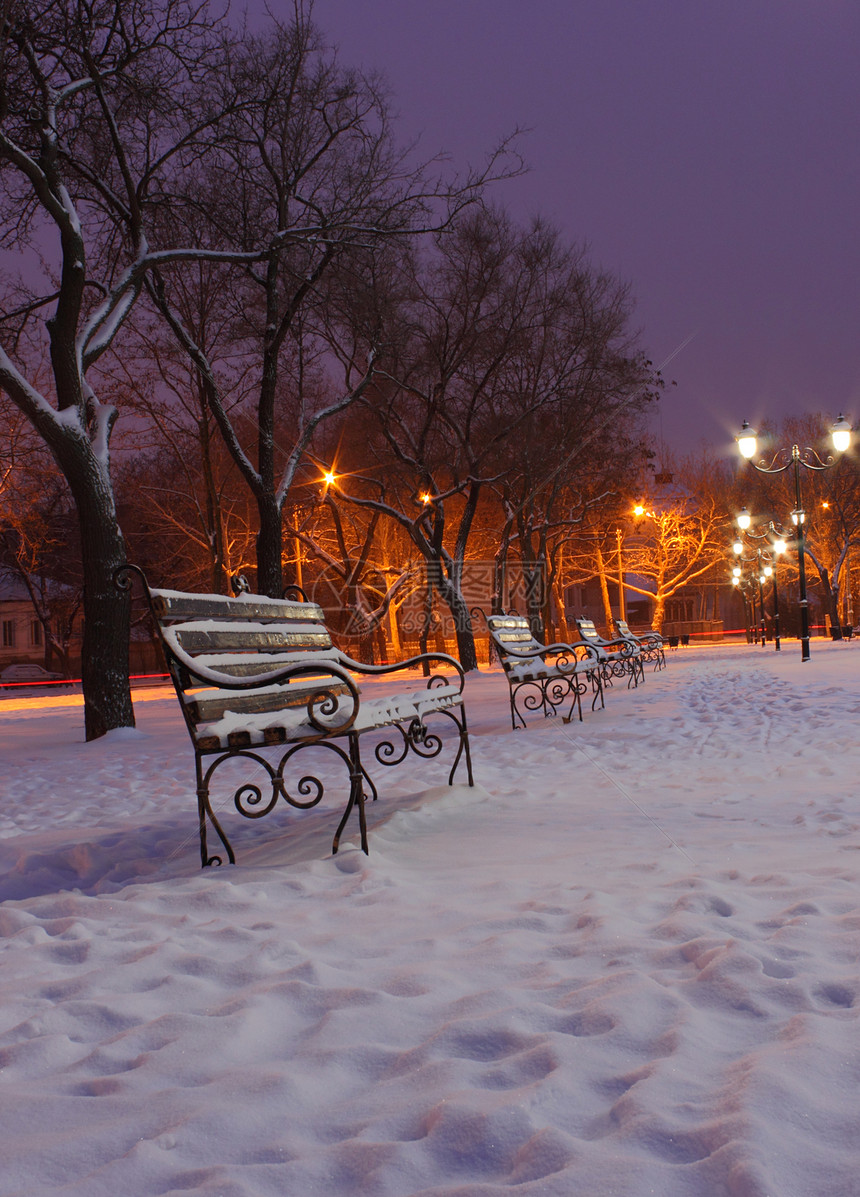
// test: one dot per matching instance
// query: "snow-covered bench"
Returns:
(618, 658)
(254, 673)
(541, 677)
(650, 644)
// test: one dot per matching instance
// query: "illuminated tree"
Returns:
(677, 541)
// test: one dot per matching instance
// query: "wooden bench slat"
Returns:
(252, 664)
(174, 604)
(209, 705)
(201, 639)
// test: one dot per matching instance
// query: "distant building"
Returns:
(21, 635)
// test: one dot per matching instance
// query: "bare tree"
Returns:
(189, 495)
(506, 354)
(310, 169)
(680, 538)
(99, 104)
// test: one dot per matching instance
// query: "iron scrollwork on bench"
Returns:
(542, 677)
(618, 658)
(650, 644)
(254, 673)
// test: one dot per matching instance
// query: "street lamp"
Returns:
(745, 589)
(794, 458)
(767, 557)
(638, 512)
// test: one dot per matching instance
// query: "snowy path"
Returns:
(627, 963)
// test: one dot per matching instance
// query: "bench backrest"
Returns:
(589, 632)
(512, 631)
(221, 653)
(648, 639)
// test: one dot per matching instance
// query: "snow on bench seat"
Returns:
(252, 673)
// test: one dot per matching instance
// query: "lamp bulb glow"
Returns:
(746, 439)
(841, 434)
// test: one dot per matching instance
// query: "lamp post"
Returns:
(622, 610)
(793, 459)
(766, 561)
(638, 511)
(743, 585)
(770, 571)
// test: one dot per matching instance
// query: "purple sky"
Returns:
(709, 154)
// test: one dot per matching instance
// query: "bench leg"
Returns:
(357, 775)
(204, 812)
(536, 699)
(515, 714)
(574, 685)
(463, 747)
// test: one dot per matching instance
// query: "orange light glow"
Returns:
(638, 509)
(329, 477)
(425, 498)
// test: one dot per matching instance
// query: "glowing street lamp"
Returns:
(794, 458)
(766, 559)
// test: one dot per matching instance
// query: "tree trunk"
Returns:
(270, 578)
(604, 589)
(534, 604)
(835, 618)
(558, 596)
(394, 634)
(456, 604)
(659, 613)
(499, 600)
(106, 611)
(831, 593)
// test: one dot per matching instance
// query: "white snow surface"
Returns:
(625, 963)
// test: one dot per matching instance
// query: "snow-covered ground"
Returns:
(625, 963)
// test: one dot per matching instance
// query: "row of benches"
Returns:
(542, 677)
(254, 673)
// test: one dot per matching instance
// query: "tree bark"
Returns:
(270, 578)
(604, 588)
(466, 650)
(104, 658)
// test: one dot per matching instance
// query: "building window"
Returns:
(36, 633)
(8, 633)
